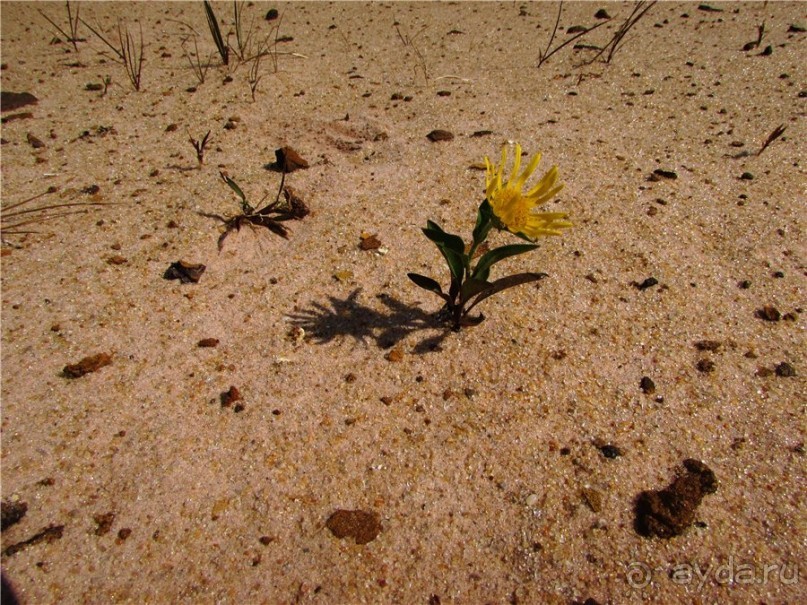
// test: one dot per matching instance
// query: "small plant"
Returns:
(272, 216)
(200, 147)
(505, 208)
(128, 52)
(409, 42)
(72, 25)
(221, 44)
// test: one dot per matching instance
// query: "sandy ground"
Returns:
(481, 453)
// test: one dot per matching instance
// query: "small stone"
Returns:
(647, 283)
(707, 345)
(533, 500)
(602, 14)
(610, 451)
(272, 14)
(11, 512)
(705, 366)
(104, 522)
(395, 356)
(647, 385)
(230, 396)
(747, 176)
(439, 135)
(664, 174)
(34, 142)
(592, 498)
(87, 365)
(208, 343)
(784, 370)
(768, 313)
(368, 241)
(185, 272)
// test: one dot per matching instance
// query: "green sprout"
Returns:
(506, 208)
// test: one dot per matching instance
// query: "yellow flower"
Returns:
(514, 209)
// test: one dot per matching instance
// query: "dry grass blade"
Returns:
(128, 53)
(778, 131)
(12, 217)
(72, 23)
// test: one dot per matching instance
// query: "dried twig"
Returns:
(128, 53)
(200, 146)
(777, 132)
(72, 23)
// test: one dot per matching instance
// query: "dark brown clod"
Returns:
(208, 343)
(184, 271)
(87, 365)
(670, 511)
(362, 526)
(439, 135)
(230, 396)
(11, 513)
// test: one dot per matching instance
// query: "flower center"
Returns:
(513, 209)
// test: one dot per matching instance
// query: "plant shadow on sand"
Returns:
(349, 317)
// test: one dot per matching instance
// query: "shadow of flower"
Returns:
(349, 317)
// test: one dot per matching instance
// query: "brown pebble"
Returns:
(785, 370)
(647, 385)
(369, 242)
(439, 135)
(124, 533)
(104, 522)
(208, 343)
(266, 540)
(768, 313)
(707, 345)
(11, 513)
(395, 355)
(117, 259)
(88, 364)
(705, 365)
(228, 397)
(34, 142)
(185, 272)
(592, 498)
(362, 526)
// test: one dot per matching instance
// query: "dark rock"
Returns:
(272, 14)
(185, 272)
(11, 513)
(647, 385)
(602, 14)
(648, 283)
(439, 135)
(768, 313)
(785, 370)
(9, 101)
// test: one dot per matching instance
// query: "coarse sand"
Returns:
(294, 426)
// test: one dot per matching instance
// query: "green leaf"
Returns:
(427, 283)
(441, 238)
(471, 288)
(483, 222)
(494, 256)
(504, 283)
(451, 246)
(234, 186)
